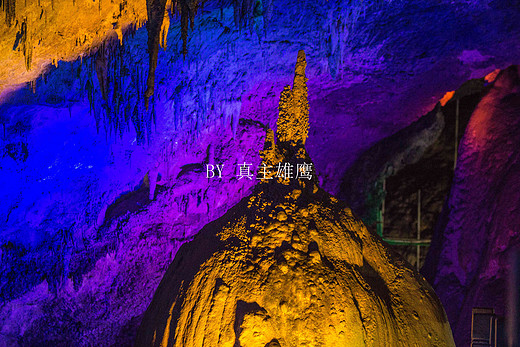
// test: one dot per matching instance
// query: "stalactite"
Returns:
(164, 28)
(27, 47)
(177, 99)
(89, 87)
(120, 36)
(243, 13)
(97, 116)
(157, 27)
(249, 14)
(101, 70)
(23, 43)
(155, 10)
(127, 116)
(154, 117)
(10, 11)
(137, 123)
(236, 12)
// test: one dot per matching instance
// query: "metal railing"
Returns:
(483, 327)
(417, 242)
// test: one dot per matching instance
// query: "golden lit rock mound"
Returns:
(291, 265)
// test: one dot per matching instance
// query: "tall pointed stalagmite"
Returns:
(290, 265)
(293, 119)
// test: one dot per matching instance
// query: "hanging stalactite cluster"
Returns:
(134, 103)
(159, 12)
(158, 16)
(116, 89)
(121, 92)
(9, 7)
(243, 13)
(117, 100)
(344, 20)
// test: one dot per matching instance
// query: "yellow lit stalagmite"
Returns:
(293, 119)
(291, 266)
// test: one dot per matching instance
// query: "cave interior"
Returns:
(128, 126)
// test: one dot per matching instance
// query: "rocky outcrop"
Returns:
(291, 266)
(468, 261)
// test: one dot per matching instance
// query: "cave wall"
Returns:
(468, 264)
(83, 247)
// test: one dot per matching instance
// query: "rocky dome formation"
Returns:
(290, 265)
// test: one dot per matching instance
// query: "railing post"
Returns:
(513, 304)
(380, 223)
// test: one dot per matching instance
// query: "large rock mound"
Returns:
(291, 266)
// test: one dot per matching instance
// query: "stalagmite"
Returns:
(290, 265)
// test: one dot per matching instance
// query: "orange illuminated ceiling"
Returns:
(37, 33)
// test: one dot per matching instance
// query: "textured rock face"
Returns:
(468, 260)
(291, 266)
